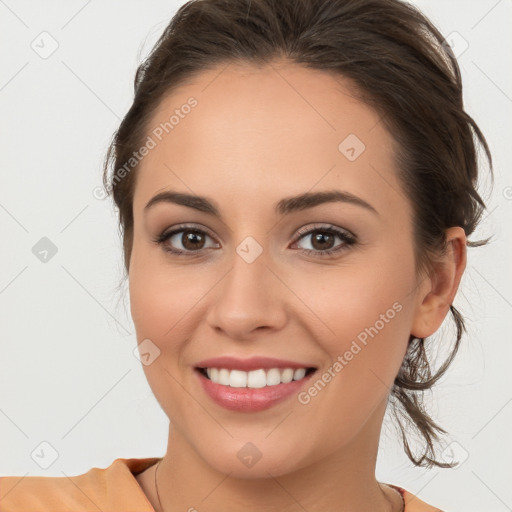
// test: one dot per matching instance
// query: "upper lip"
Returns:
(253, 363)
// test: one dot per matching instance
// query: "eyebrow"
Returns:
(285, 206)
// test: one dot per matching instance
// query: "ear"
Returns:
(438, 290)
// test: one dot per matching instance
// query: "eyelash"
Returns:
(347, 237)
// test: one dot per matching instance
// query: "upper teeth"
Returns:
(255, 378)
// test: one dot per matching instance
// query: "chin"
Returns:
(263, 469)
(248, 461)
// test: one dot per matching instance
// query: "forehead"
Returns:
(267, 132)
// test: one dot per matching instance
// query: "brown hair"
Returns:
(399, 66)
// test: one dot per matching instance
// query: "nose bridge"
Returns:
(249, 295)
(248, 279)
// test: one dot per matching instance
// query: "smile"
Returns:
(248, 394)
(256, 378)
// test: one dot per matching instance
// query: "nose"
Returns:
(250, 298)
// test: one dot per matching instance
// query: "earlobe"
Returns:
(437, 293)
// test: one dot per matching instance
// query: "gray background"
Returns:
(68, 374)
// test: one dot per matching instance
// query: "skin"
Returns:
(257, 135)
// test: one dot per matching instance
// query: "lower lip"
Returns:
(250, 399)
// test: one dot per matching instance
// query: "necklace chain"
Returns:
(161, 508)
(156, 487)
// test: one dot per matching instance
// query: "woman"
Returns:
(296, 182)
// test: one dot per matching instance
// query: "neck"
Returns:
(343, 481)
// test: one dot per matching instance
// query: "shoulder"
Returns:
(413, 503)
(108, 489)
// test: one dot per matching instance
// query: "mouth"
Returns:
(252, 391)
(259, 378)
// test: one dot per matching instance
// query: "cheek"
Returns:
(162, 303)
(161, 295)
(351, 298)
(368, 315)
(363, 313)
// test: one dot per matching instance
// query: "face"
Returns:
(330, 285)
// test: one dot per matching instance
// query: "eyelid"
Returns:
(348, 238)
(184, 227)
(327, 227)
(302, 231)
(165, 235)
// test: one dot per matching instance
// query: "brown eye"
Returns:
(192, 240)
(323, 240)
(184, 240)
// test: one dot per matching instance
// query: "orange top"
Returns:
(112, 489)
